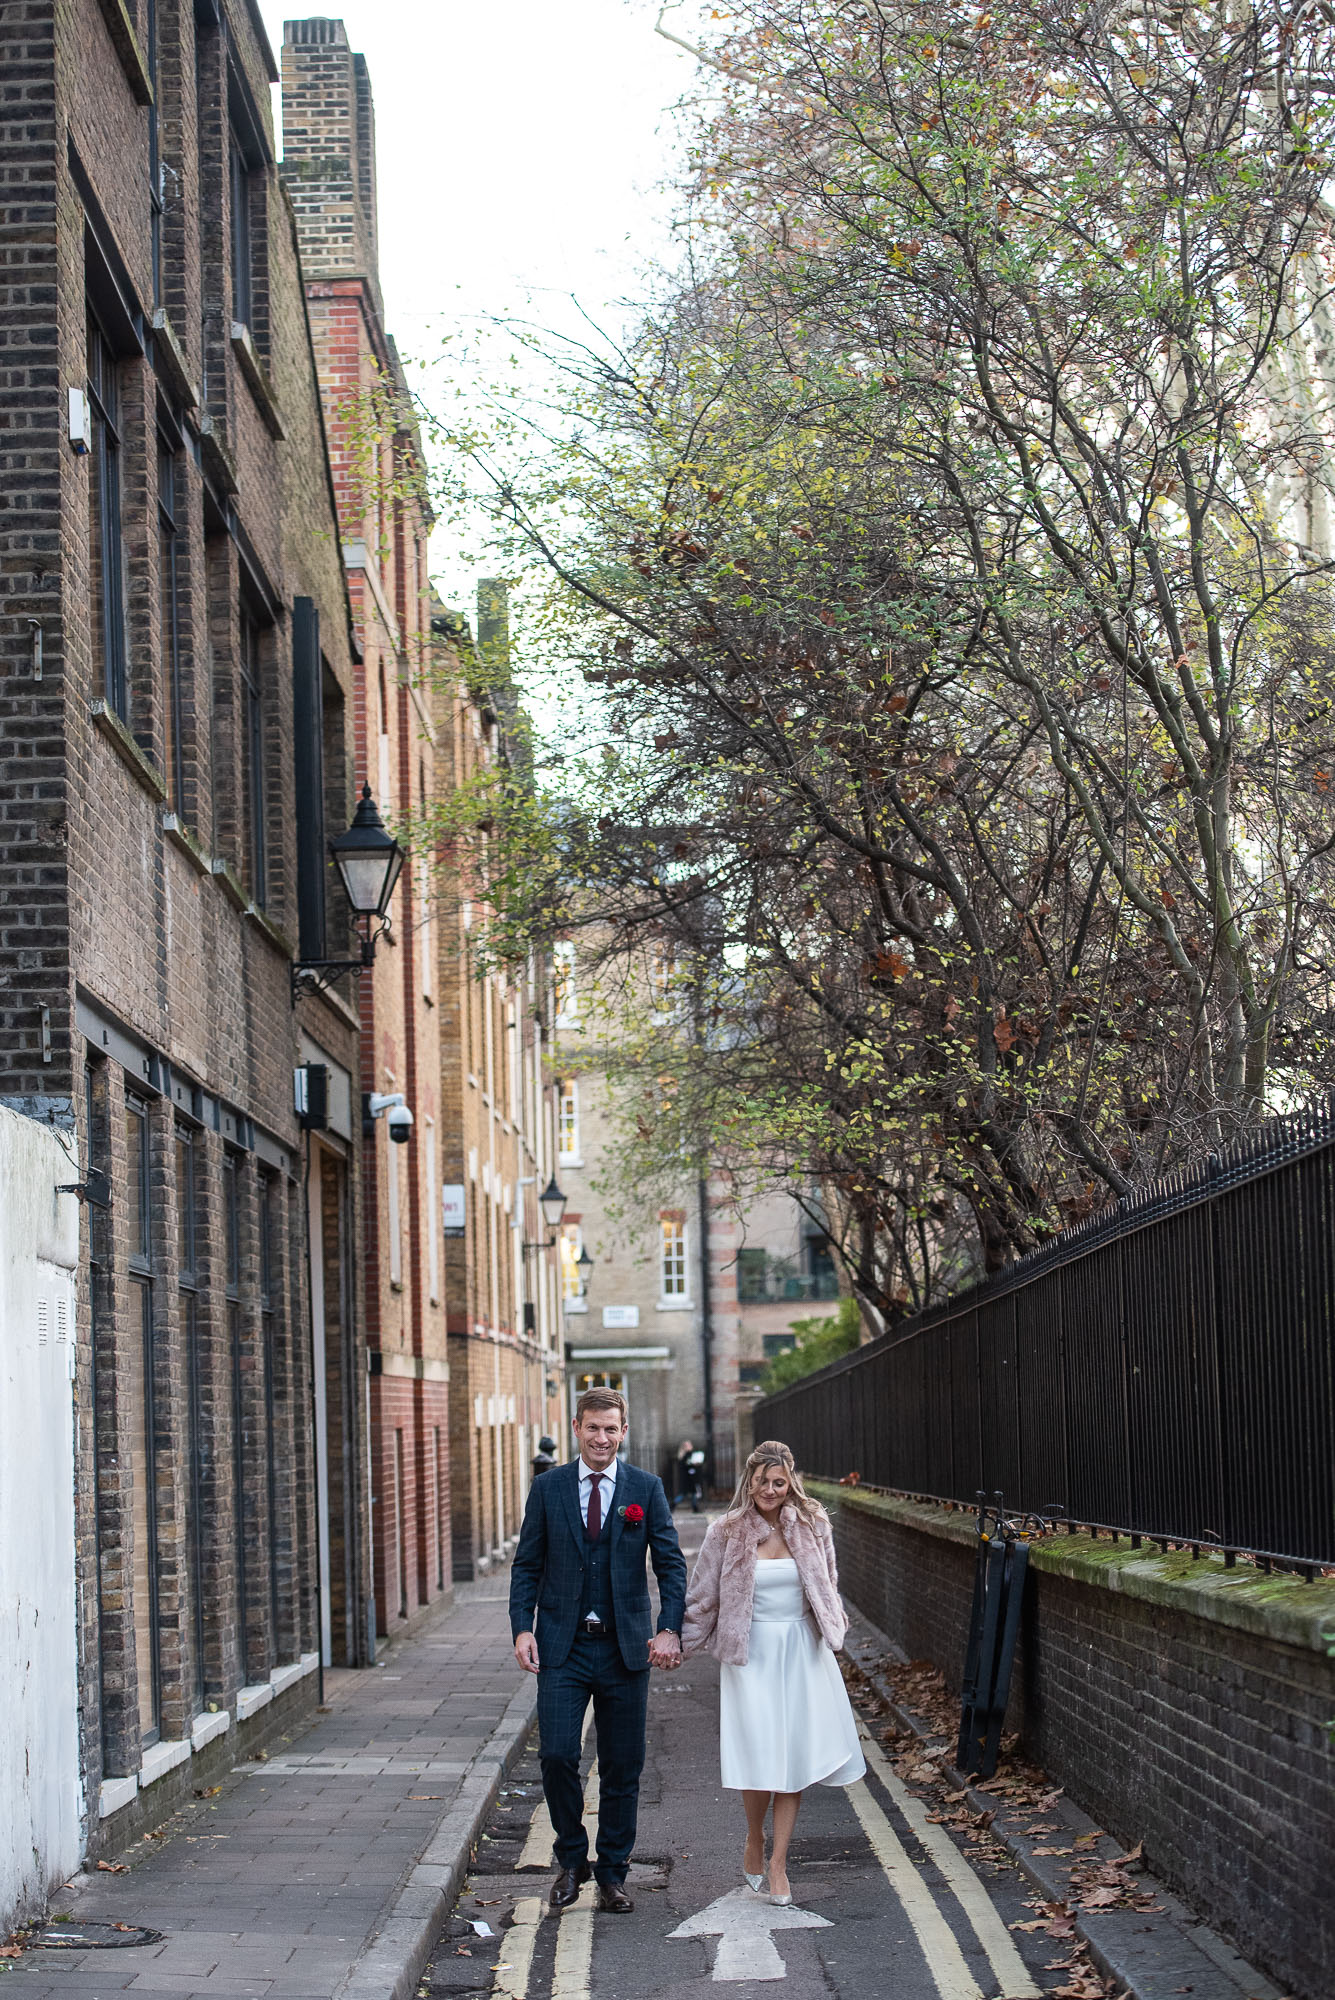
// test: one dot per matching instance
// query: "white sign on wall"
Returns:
(452, 1209)
(621, 1315)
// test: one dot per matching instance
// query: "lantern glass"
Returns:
(368, 859)
(552, 1202)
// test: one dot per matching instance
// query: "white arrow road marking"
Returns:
(1012, 1974)
(940, 1948)
(742, 1923)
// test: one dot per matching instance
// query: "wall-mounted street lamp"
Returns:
(368, 859)
(552, 1202)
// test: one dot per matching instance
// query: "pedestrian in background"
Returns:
(580, 1568)
(764, 1598)
(690, 1476)
(545, 1456)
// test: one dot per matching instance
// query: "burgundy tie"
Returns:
(594, 1525)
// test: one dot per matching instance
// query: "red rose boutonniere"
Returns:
(632, 1515)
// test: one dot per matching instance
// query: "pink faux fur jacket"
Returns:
(723, 1583)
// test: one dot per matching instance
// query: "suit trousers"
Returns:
(594, 1668)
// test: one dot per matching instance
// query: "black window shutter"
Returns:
(308, 758)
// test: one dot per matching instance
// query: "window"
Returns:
(141, 1421)
(243, 250)
(393, 1193)
(570, 1244)
(423, 865)
(565, 999)
(751, 1272)
(187, 1281)
(438, 1460)
(673, 1256)
(108, 548)
(169, 587)
(384, 801)
(567, 1119)
(253, 790)
(154, 160)
(232, 1272)
(662, 973)
(401, 1522)
(95, 1137)
(432, 1234)
(308, 771)
(266, 1221)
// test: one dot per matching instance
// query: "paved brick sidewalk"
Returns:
(274, 1887)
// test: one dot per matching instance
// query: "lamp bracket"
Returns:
(95, 1189)
(316, 975)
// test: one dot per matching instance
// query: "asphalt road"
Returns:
(888, 1899)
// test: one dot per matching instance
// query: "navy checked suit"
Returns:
(548, 1578)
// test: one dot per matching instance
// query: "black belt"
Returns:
(595, 1628)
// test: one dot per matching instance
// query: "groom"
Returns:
(580, 1563)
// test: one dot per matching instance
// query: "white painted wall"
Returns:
(41, 1795)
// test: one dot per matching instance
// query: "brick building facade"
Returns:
(384, 523)
(501, 1270)
(175, 649)
(695, 1285)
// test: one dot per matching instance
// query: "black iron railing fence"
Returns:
(1166, 1371)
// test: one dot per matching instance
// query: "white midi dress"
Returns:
(785, 1719)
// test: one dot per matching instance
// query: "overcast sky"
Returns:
(521, 149)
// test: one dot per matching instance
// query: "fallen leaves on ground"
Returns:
(113, 1868)
(920, 1689)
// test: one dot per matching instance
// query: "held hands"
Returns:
(526, 1652)
(665, 1651)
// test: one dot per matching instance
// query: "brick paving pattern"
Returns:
(271, 1888)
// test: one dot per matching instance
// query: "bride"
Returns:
(764, 1598)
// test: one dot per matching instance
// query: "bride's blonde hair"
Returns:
(776, 1454)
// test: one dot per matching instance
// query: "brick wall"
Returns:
(384, 519)
(126, 851)
(1180, 1703)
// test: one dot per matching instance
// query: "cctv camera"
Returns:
(392, 1109)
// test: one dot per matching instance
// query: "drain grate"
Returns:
(94, 1937)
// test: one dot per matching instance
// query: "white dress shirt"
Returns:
(607, 1481)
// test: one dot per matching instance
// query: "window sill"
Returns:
(180, 836)
(229, 882)
(675, 1305)
(262, 921)
(170, 354)
(570, 1159)
(126, 44)
(122, 742)
(576, 1305)
(257, 380)
(217, 458)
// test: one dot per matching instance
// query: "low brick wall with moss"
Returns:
(1180, 1702)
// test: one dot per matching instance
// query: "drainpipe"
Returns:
(706, 1326)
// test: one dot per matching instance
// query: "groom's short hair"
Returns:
(601, 1399)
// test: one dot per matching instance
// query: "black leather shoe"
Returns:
(612, 1897)
(567, 1886)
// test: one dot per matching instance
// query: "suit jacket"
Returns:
(547, 1575)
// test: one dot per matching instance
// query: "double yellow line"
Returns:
(940, 1948)
(937, 1940)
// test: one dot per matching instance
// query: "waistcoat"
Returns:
(596, 1596)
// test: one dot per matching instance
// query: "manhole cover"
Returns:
(94, 1937)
